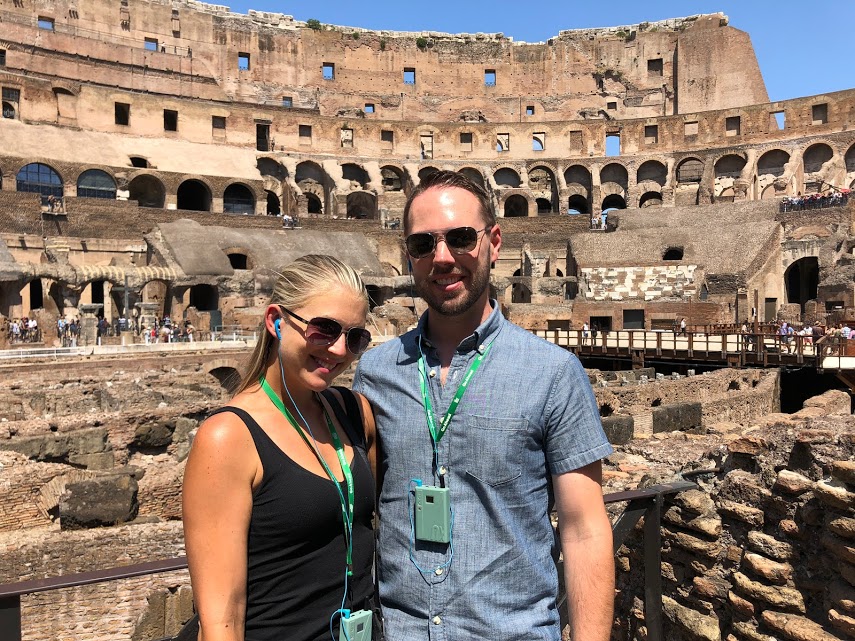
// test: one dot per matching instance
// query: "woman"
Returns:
(276, 549)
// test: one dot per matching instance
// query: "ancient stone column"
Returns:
(89, 323)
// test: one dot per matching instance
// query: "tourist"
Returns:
(682, 327)
(268, 533)
(585, 333)
(476, 562)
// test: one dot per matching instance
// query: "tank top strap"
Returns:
(264, 445)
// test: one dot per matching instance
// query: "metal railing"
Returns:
(646, 503)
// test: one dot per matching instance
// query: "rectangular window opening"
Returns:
(287, 102)
(612, 144)
(46, 23)
(529, 110)
(218, 122)
(409, 75)
(576, 140)
(122, 113)
(305, 132)
(426, 146)
(387, 136)
(651, 134)
(346, 137)
(369, 108)
(243, 61)
(466, 141)
(262, 136)
(170, 120)
(733, 126)
(329, 71)
(779, 120)
(654, 67)
(503, 142)
(819, 114)
(538, 141)
(690, 128)
(2, 57)
(151, 44)
(611, 106)
(490, 77)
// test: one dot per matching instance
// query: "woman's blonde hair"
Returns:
(295, 285)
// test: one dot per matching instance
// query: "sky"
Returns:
(804, 47)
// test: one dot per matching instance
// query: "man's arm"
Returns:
(586, 545)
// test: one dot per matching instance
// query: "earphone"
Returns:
(276, 325)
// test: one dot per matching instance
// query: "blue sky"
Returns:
(804, 47)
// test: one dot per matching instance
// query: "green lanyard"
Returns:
(346, 506)
(435, 434)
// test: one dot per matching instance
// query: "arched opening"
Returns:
(729, 166)
(37, 178)
(850, 159)
(194, 195)
(36, 294)
(95, 183)
(473, 174)
(802, 281)
(543, 206)
(613, 201)
(577, 205)
(148, 191)
(355, 173)
(8, 110)
(205, 298)
(238, 260)
(652, 170)
(691, 170)
(544, 189)
(314, 204)
(516, 206)
(373, 296)
(507, 177)
(361, 205)
(772, 163)
(650, 199)
(273, 207)
(424, 172)
(673, 253)
(96, 292)
(579, 176)
(139, 161)
(520, 293)
(393, 179)
(238, 199)
(269, 167)
(816, 156)
(227, 377)
(309, 171)
(615, 174)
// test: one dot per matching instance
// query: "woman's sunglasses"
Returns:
(325, 331)
(460, 240)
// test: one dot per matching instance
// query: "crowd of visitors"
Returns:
(24, 330)
(815, 201)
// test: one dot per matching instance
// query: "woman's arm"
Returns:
(372, 444)
(217, 503)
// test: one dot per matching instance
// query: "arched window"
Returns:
(238, 199)
(95, 183)
(37, 178)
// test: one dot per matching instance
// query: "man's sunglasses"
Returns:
(325, 331)
(460, 240)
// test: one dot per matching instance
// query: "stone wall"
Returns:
(643, 283)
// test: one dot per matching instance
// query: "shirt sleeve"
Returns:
(574, 435)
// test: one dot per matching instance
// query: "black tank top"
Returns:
(296, 554)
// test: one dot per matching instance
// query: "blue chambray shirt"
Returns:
(529, 413)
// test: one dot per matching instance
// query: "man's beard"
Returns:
(460, 304)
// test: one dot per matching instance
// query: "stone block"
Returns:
(842, 526)
(710, 587)
(108, 500)
(844, 471)
(741, 606)
(831, 402)
(59, 445)
(772, 571)
(750, 445)
(845, 624)
(708, 549)
(740, 512)
(842, 595)
(156, 433)
(792, 482)
(777, 596)
(839, 548)
(677, 417)
(708, 525)
(618, 429)
(795, 628)
(694, 501)
(740, 486)
(835, 494)
(699, 626)
(771, 547)
(183, 427)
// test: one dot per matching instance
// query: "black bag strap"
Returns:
(349, 417)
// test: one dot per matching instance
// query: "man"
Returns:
(526, 428)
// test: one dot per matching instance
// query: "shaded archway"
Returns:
(361, 205)
(314, 205)
(614, 177)
(652, 170)
(95, 183)
(355, 173)
(816, 156)
(516, 206)
(543, 206)
(772, 163)
(472, 174)
(238, 199)
(38, 178)
(520, 293)
(729, 166)
(802, 281)
(578, 176)
(148, 191)
(613, 201)
(850, 159)
(205, 298)
(194, 195)
(650, 199)
(393, 178)
(424, 172)
(544, 188)
(269, 167)
(577, 205)
(273, 206)
(309, 171)
(507, 177)
(690, 170)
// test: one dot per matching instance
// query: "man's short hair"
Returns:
(444, 179)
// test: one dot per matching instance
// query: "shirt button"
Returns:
(432, 373)
(438, 572)
(443, 470)
(437, 620)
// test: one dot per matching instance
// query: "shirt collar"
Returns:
(482, 335)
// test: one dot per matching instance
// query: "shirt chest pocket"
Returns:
(494, 448)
